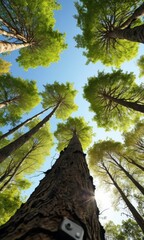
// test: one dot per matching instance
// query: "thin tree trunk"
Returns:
(7, 102)
(8, 47)
(66, 192)
(135, 34)
(137, 184)
(12, 35)
(130, 160)
(6, 183)
(131, 105)
(139, 12)
(22, 124)
(13, 146)
(136, 215)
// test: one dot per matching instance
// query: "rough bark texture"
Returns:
(66, 191)
(8, 47)
(135, 34)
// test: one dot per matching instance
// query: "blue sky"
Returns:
(71, 67)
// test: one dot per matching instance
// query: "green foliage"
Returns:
(65, 132)
(33, 22)
(97, 19)
(60, 93)
(127, 230)
(4, 66)
(102, 93)
(17, 96)
(10, 201)
(140, 64)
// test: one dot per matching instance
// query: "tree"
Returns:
(111, 30)
(58, 96)
(4, 66)
(17, 96)
(28, 159)
(115, 98)
(140, 64)
(51, 202)
(65, 130)
(127, 230)
(29, 26)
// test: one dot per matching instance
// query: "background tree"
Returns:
(140, 64)
(29, 26)
(127, 230)
(4, 66)
(107, 27)
(105, 160)
(65, 131)
(51, 202)
(61, 98)
(17, 96)
(115, 98)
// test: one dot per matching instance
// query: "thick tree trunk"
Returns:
(8, 47)
(136, 183)
(67, 191)
(136, 215)
(135, 34)
(131, 105)
(22, 124)
(13, 146)
(9, 101)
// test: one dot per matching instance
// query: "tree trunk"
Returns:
(137, 184)
(13, 146)
(135, 34)
(14, 170)
(22, 124)
(139, 12)
(7, 102)
(136, 215)
(8, 47)
(130, 160)
(66, 191)
(131, 105)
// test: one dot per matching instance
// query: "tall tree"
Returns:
(17, 96)
(61, 98)
(65, 130)
(127, 230)
(28, 159)
(29, 26)
(110, 29)
(52, 204)
(115, 98)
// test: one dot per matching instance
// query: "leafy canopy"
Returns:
(98, 18)
(101, 91)
(65, 132)
(20, 96)
(60, 93)
(32, 22)
(4, 66)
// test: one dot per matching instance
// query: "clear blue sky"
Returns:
(71, 67)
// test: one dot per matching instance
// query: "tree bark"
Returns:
(13, 146)
(131, 105)
(135, 34)
(22, 124)
(9, 101)
(66, 191)
(136, 215)
(8, 47)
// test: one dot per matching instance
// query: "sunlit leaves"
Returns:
(65, 132)
(60, 93)
(17, 96)
(103, 91)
